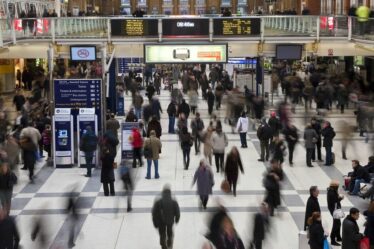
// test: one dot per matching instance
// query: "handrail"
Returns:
(98, 27)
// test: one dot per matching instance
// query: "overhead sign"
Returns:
(134, 27)
(236, 26)
(78, 93)
(82, 53)
(197, 27)
(202, 53)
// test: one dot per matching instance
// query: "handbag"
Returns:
(115, 165)
(326, 244)
(338, 214)
(365, 243)
(225, 186)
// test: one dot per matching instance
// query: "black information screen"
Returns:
(236, 26)
(185, 27)
(134, 27)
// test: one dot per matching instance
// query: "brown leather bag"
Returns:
(27, 144)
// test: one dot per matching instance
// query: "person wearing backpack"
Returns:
(165, 213)
(88, 146)
(264, 134)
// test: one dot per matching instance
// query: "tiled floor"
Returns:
(105, 224)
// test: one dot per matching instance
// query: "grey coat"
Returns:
(205, 180)
(351, 234)
(309, 134)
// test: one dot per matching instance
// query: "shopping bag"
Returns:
(225, 186)
(326, 244)
(365, 243)
(303, 240)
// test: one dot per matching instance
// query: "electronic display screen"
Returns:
(82, 53)
(236, 26)
(134, 27)
(289, 51)
(185, 27)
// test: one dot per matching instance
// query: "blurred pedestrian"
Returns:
(172, 112)
(272, 186)
(112, 124)
(197, 127)
(72, 219)
(264, 134)
(233, 164)
(219, 142)
(208, 147)
(261, 226)
(165, 213)
(128, 184)
(9, 236)
(242, 128)
(7, 180)
(205, 182)
(29, 140)
(186, 142)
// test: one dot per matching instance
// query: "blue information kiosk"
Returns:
(63, 142)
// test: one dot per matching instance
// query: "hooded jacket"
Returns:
(165, 210)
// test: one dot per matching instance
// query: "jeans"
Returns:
(355, 186)
(138, 113)
(243, 139)
(197, 143)
(328, 156)
(171, 124)
(219, 158)
(89, 158)
(186, 156)
(149, 164)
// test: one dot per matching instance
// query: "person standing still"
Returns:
(312, 205)
(351, 235)
(333, 203)
(242, 128)
(291, 135)
(316, 125)
(165, 213)
(310, 138)
(172, 112)
(137, 145)
(264, 134)
(328, 134)
(88, 146)
(153, 145)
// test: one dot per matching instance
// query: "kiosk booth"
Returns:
(85, 118)
(63, 142)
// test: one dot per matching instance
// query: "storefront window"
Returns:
(142, 3)
(125, 2)
(242, 2)
(226, 3)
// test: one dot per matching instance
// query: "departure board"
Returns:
(182, 28)
(236, 26)
(134, 27)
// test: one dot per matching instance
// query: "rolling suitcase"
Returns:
(303, 240)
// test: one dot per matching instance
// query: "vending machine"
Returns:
(86, 118)
(63, 142)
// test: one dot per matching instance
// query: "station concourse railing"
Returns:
(272, 27)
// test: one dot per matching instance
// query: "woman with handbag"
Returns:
(334, 206)
(186, 143)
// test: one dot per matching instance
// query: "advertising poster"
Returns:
(126, 146)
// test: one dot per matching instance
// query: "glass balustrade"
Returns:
(319, 27)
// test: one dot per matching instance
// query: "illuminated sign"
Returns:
(134, 27)
(236, 26)
(202, 53)
(185, 27)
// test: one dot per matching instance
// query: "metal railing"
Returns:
(83, 28)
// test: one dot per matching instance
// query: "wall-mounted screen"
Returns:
(195, 53)
(236, 26)
(134, 27)
(289, 51)
(197, 27)
(82, 53)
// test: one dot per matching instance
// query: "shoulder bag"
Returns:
(338, 213)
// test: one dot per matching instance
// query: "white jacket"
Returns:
(244, 122)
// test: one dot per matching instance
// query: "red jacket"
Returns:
(137, 141)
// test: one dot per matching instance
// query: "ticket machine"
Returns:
(86, 117)
(63, 142)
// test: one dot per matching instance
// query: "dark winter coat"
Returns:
(310, 137)
(272, 187)
(165, 210)
(260, 225)
(351, 234)
(291, 135)
(275, 125)
(312, 206)
(333, 200)
(328, 134)
(233, 164)
(316, 235)
(360, 172)
(205, 181)
(184, 108)
(156, 126)
(9, 236)
(264, 132)
(172, 110)
(369, 228)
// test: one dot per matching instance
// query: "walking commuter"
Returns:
(205, 182)
(347, 131)
(210, 100)
(261, 226)
(197, 127)
(152, 150)
(186, 141)
(156, 107)
(328, 134)
(184, 108)
(108, 154)
(131, 117)
(9, 236)
(19, 100)
(112, 124)
(310, 138)
(219, 142)
(369, 228)
(264, 134)
(278, 150)
(154, 125)
(165, 213)
(208, 147)
(233, 164)
(292, 137)
(333, 203)
(137, 145)
(272, 186)
(47, 140)
(138, 103)
(274, 124)
(88, 146)
(172, 113)
(242, 128)
(128, 184)
(342, 97)
(316, 232)
(316, 125)
(193, 100)
(312, 205)
(351, 235)
(7, 180)
(219, 91)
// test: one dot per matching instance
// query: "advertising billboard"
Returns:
(196, 53)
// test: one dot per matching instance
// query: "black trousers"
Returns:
(264, 145)
(335, 231)
(319, 155)
(309, 155)
(107, 186)
(29, 159)
(166, 236)
(219, 158)
(210, 109)
(257, 243)
(291, 148)
(233, 182)
(204, 200)
(137, 154)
